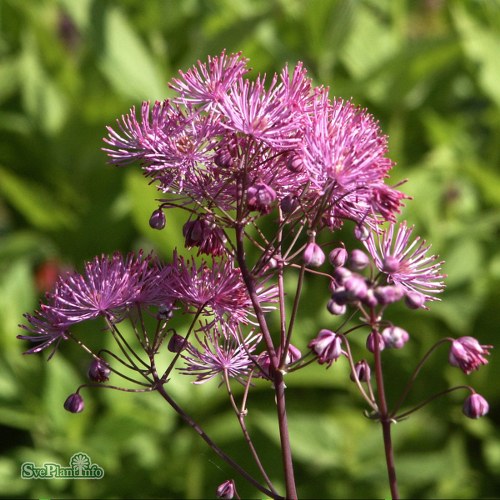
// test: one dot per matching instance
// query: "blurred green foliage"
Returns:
(429, 70)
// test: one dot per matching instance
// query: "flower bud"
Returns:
(335, 308)
(369, 299)
(289, 203)
(177, 343)
(395, 337)
(98, 371)
(356, 287)
(260, 197)
(165, 312)
(226, 490)
(468, 354)
(327, 346)
(358, 260)
(157, 219)
(293, 354)
(341, 296)
(372, 338)
(415, 300)
(341, 274)
(294, 164)
(390, 264)
(74, 403)
(389, 294)
(361, 232)
(363, 371)
(313, 255)
(475, 406)
(193, 232)
(338, 257)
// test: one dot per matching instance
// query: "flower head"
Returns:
(475, 406)
(468, 354)
(219, 352)
(406, 262)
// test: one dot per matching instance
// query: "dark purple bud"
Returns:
(338, 257)
(294, 164)
(372, 338)
(358, 260)
(356, 287)
(177, 343)
(369, 299)
(74, 403)
(475, 406)
(363, 371)
(98, 371)
(341, 296)
(313, 255)
(336, 309)
(395, 337)
(289, 203)
(260, 197)
(361, 232)
(193, 232)
(390, 264)
(414, 300)
(389, 294)
(157, 219)
(226, 490)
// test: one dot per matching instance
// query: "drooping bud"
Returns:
(293, 354)
(361, 232)
(468, 354)
(157, 219)
(98, 371)
(390, 264)
(338, 256)
(226, 490)
(395, 337)
(327, 346)
(335, 308)
(341, 274)
(177, 343)
(389, 294)
(369, 299)
(193, 232)
(74, 403)
(165, 312)
(358, 260)
(313, 255)
(475, 406)
(363, 371)
(415, 300)
(260, 197)
(341, 296)
(372, 338)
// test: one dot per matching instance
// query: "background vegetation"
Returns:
(428, 70)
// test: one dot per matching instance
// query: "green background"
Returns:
(428, 70)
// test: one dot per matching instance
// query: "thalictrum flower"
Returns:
(218, 353)
(406, 262)
(468, 354)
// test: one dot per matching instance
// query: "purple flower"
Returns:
(338, 256)
(220, 352)
(327, 346)
(157, 219)
(204, 234)
(406, 263)
(468, 354)
(260, 197)
(217, 288)
(363, 371)
(207, 83)
(475, 406)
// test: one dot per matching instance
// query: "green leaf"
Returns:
(126, 62)
(37, 204)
